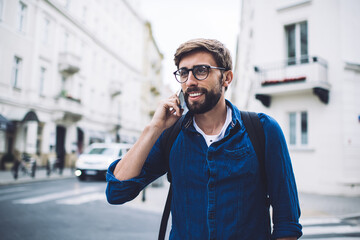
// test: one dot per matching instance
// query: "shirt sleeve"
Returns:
(119, 192)
(280, 182)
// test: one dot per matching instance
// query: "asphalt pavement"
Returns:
(313, 206)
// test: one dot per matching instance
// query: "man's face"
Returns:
(202, 96)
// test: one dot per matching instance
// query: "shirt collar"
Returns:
(236, 119)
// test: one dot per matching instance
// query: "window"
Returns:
(66, 41)
(297, 43)
(67, 4)
(63, 85)
(45, 31)
(16, 75)
(292, 120)
(298, 128)
(290, 38)
(1, 9)
(304, 128)
(22, 17)
(304, 42)
(84, 14)
(80, 89)
(42, 80)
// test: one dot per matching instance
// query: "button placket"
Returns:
(211, 215)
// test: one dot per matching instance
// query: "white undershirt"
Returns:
(214, 138)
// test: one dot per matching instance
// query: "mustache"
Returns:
(195, 89)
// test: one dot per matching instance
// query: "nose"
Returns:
(191, 79)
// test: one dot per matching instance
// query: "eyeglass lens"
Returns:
(200, 73)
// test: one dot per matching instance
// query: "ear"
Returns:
(228, 77)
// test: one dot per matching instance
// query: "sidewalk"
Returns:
(6, 177)
(155, 198)
(330, 206)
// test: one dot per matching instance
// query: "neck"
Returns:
(212, 121)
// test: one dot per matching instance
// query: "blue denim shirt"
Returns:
(217, 190)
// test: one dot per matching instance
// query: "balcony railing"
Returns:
(292, 75)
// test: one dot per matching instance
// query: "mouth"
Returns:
(195, 94)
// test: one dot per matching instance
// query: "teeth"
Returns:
(194, 94)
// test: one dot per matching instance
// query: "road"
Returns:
(69, 209)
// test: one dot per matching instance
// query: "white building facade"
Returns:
(73, 72)
(299, 61)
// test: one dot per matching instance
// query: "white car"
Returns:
(97, 157)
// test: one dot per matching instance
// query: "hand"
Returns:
(167, 113)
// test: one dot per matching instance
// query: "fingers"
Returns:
(167, 112)
(172, 104)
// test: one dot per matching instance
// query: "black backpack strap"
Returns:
(165, 216)
(257, 137)
(169, 138)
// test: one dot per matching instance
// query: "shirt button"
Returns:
(210, 157)
(212, 215)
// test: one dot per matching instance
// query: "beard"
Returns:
(212, 97)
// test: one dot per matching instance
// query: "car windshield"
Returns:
(102, 151)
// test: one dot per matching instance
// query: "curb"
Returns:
(352, 216)
(34, 180)
(6, 178)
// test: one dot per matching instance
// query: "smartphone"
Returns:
(181, 97)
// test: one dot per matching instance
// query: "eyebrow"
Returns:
(197, 65)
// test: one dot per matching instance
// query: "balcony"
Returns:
(115, 87)
(68, 108)
(69, 63)
(292, 76)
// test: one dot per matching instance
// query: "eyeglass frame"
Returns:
(192, 70)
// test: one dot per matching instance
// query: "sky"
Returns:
(176, 21)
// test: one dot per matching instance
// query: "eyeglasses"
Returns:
(200, 72)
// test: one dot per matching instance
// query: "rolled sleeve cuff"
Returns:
(283, 230)
(119, 192)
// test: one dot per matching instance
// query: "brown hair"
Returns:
(218, 50)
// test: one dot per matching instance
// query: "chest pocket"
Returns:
(240, 162)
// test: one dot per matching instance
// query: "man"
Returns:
(217, 189)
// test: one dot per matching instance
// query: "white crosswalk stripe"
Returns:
(83, 199)
(55, 196)
(342, 229)
(319, 221)
(329, 228)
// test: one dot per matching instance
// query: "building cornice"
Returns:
(148, 25)
(27, 105)
(287, 5)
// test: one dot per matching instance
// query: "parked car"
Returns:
(96, 159)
